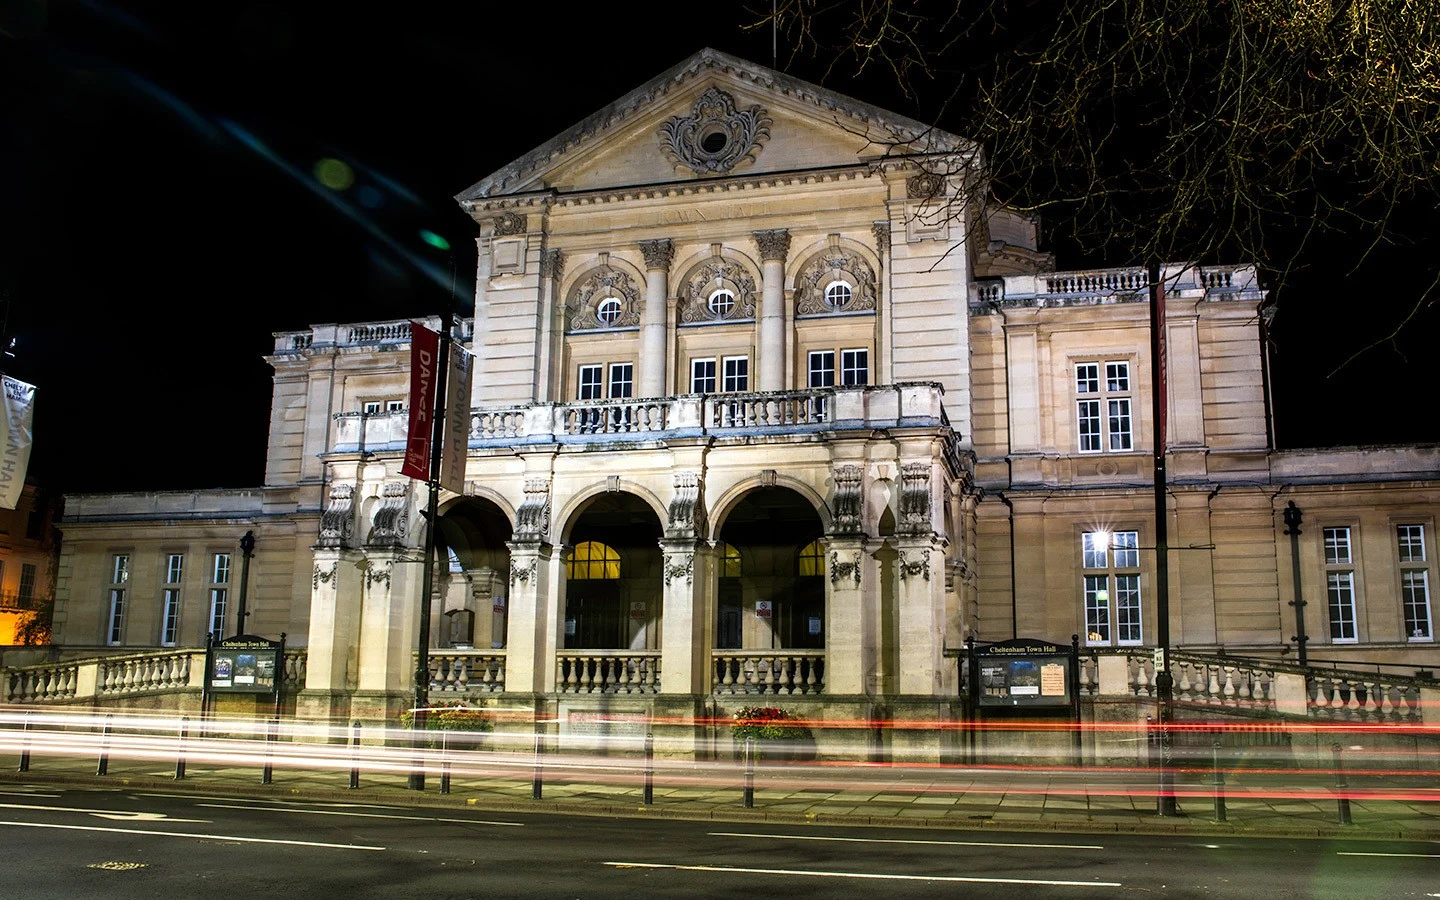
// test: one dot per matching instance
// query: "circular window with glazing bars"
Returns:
(608, 312)
(838, 294)
(722, 301)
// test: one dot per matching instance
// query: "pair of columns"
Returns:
(774, 247)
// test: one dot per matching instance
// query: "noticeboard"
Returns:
(243, 665)
(1023, 673)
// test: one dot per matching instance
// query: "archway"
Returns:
(770, 572)
(612, 570)
(470, 607)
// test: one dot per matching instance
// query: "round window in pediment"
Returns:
(608, 312)
(713, 141)
(838, 294)
(722, 302)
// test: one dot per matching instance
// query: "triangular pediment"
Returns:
(713, 115)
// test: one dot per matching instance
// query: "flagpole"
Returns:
(427, 577)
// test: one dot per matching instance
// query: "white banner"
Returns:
(15, 441)
(457, 421)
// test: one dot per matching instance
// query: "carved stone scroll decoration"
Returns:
(337, 523)
(523, 573)
(658, 253)
(687, 515)
(717, 273)
(508, 223)
(840, 570)
(680, 565)
(552, 263)
(532, 519)
(716, 136)
(847, 499)
(392, 517)
(838, 263)
(324, 576)
(915, 499)
(910, 568)
(604, 282)
(376, 575)
(925, 186)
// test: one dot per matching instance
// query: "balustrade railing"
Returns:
(781, 672)
(292, 676)
(613, 416)
(150, 672)
(1363, 698)
(497, 423)
(42, 684)
(1101, 281)
(466, 672)
(607, 671)
(768, 410)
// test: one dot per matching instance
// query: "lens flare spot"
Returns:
(334, 174)
(434, 239)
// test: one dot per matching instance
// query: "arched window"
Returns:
(721, 302)
(608, 312)
(838, 294)
(812, 560)
(591, 560)
(729, 561)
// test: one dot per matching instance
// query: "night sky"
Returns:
(160, 213)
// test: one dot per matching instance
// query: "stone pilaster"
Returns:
(920, 607)
(774, 246)
(533, 630)
(850, 640)
(547, 349)
(335, 587)
(658, 256)
(390, 609)
(684, 655)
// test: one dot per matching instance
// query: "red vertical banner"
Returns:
(1159, 358)
(424, 356)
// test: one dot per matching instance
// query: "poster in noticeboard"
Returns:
(1025, 674)
(244, 665)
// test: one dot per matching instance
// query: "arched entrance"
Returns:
(770, 565)
(613, 568)
(470, 607)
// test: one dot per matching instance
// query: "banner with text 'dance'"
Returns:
(424, 357)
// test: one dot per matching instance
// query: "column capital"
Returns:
(773, 243)
(659, 253)
(552, 263)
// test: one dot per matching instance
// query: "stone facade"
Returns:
(762, 408)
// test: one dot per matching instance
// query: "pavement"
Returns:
(1263, 803)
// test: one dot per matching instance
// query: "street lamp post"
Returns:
(247, 550)
(1293, 518)
(1164, 683)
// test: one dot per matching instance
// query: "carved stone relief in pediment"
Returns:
(606, 297)
(716, 135)
(703, 289)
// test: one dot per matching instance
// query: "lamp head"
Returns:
(1293, 515)
(247, 543)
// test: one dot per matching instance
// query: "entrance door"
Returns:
(599, 616)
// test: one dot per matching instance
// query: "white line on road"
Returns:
(736, 870)
(26, 794)
(198, 837)
(854, 840)
(105, 813)
(331, 812)
(189, 796)
(1407, 855)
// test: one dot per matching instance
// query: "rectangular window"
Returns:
(218, 597)
(1087, 418)
(590, 385)
(1415, 598)
(27, 583)
(1101, 607)
(1120, 424)
(220, 571)
(737, 373)
(622, 380)
(1087, 378)
(702, 376)
(170, 617)
(174, 567)
(1094, 554)
(1127, 549)
(854, 367)
(1097, 609)
(35, 525)
(1341, 589)
(394, 406)
(115, 630)
(120, 569)
(1127, 608)
(1412, 543)
(1337, 546)
(1112, 395)
(822, 368)
(370, 408)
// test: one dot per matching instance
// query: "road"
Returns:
(73, 842)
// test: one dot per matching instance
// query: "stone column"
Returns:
(551, 316)
(533, 628)
(684, 656)
(658, 255)
(335, 587)
(920, 603)
(849, 626)
(390, 613)
(774, 246)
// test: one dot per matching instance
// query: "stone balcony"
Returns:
(1123, 285)
(811, 411)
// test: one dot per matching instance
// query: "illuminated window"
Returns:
(1111, 618)
(1414, 582)
(1340, 585)
(1113, 402)
(812, 560)
(729, 561)
(591, 560)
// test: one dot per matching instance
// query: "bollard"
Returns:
(649, 769)
(537, 782)
(267, 774)
(104, 767)
(1219, 785)
(355, 755)
(1149, 742)
(180, 753)
(749, 773)
(1340, 785)
(444, 762)
(25, 745)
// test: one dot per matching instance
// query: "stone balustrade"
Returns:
(362, 432)
(782, 672)
(165, 671)
(112, 677)
(466, 672)
(1122, 285)
(607, 671)
(42, 684)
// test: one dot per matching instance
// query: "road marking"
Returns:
(854, 840)
(102, 813)
(232, 799)
(1406, 855)
(331, 812)
(118, 866)
(198, 837)
(737, 870)
(26, 794)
